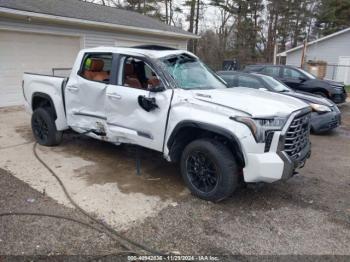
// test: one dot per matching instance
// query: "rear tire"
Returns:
(44, 128)
(209, 169)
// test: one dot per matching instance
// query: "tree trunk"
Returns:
(191, 21)
(195, 44)
(166, 12)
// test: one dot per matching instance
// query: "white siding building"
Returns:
(333, 49)
(38, 35)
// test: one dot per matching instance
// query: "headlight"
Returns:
(320, 108)
(338, 87)
(261, 126)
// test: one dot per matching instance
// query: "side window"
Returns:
(247, 81)
(97, 67)
(291, 73)
(271, 70)
(136, 73)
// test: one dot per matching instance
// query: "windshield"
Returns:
(274, 84)
(309, 75)
(190, 73)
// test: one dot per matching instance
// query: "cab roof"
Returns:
(141, 51)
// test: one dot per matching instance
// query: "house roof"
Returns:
(77, 9)
(314, 42)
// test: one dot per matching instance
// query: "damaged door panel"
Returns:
(127, 120)
(85, 94)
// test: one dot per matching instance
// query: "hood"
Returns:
(325, 83)
(255, 102)
(334, 83)
(309, 98)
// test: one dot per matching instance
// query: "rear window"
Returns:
(96, 67)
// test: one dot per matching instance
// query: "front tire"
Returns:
(209, 169)
(44, 128)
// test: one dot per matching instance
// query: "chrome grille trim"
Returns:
(297, 134)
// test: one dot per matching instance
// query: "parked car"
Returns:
(325, 114)
(169, 101)
(302, 80)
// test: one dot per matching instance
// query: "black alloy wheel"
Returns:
(44, 127)
(202, 172)
(209, 169)
(40, 128)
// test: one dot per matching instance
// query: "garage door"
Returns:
(343, 70)
(29, 52)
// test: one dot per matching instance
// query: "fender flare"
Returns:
(232, 138)
(46, 97)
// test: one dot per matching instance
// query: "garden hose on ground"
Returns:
(107, 229)
(71, 200)
(39, 214)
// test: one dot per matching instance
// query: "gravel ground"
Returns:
(28, 235)
(307, 215)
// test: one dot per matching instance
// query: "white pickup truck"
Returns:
(169, 101)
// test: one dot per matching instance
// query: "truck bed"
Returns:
(36, 86)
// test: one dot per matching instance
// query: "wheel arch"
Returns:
(321, 90)
(188, 131)
(40, 99)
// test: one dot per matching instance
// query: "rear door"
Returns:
(85, 93)
(128, 121)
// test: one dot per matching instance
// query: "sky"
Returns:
(211, 14)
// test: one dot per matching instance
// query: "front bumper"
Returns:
(325, 122)
(290, 164)
(339, 97)
(273, 166)
(280, 163)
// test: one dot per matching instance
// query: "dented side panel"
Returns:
(128, 122)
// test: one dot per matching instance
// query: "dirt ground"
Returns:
(308, 214)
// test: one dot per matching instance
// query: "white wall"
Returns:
(328, 50)
(93, 38)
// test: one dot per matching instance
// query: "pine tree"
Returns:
(333, 15)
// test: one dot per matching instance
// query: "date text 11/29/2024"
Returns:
(173, 258)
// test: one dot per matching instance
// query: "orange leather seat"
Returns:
(95, 71)
(131, 78)
(153, 82)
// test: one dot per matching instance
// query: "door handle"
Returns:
(114, 95)
(72, 88)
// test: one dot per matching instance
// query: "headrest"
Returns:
(129, 69)
(96, 65)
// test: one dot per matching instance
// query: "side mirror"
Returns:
(157, 89)
(302, 78)
(147, 103)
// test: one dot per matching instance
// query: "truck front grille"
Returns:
(297, 136)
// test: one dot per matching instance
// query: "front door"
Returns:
(135, 114)
(85, 94)
(293, 78)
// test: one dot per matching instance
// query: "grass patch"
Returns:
(347, 88)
